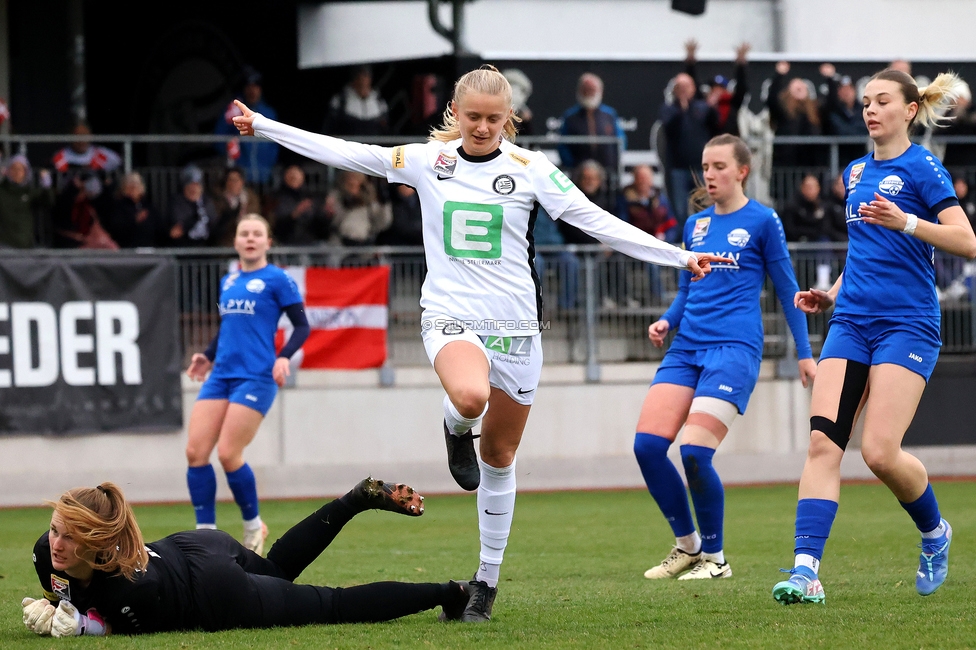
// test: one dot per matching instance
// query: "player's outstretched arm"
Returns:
(334, 152)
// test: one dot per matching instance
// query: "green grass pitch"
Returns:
(573, 576)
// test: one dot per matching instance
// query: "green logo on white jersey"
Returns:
(473, 230)
(561, 181)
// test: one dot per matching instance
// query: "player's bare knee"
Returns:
(195, 456)
(879, 458)
(230, 460)
(470, 402)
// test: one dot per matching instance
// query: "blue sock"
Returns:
(245, 489)
(202, 482)
(814, 517)
(924, 510)
(707, 494)
(664, 482)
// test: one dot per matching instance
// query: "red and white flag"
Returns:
(348, 311)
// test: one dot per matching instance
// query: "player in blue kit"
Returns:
(244, 377)
(711, 368)
(884, 335)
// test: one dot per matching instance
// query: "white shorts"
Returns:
(514, 362)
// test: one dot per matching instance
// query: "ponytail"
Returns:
(933, 100)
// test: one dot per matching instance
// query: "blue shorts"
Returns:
(910, 343)
(257, 394)
(728, 373)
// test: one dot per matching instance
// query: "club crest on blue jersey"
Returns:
(856, 172)
(445, 164)
(503, 184)
(739, 237)
(255, 286)
(891, 185)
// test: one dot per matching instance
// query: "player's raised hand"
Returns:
(701, 264)
(657, 331)
(244, 122)
(813, 301)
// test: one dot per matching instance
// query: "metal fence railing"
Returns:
(598, 304)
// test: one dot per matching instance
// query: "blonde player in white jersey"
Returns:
(481, 299)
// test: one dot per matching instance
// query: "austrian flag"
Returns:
(347, 310)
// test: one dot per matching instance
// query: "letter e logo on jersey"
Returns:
(561, 181)
(473, 230)
(255, 286)
(503, 184)
(739, 237)
(856, 172)
(891, 185)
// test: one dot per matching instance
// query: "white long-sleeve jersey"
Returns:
(478, 216)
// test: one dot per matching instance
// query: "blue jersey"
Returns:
(251, 303)
(723, 308)
(890, 273)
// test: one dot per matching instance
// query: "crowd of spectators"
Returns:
(81, 198)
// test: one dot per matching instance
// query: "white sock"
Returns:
(206, 526)
(253, 524)
(457, 422)
(690, 544)
(488, 573)
(810, 562)
(717, 558)
(936, 532)
(496, 506)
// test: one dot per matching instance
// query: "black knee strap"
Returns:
(839, 432)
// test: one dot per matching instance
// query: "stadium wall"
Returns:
(334, 428)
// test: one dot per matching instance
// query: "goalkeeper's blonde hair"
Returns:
(486, 80)
(933, 100)
(102, 522)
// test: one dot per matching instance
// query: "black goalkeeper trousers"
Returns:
(234, 587)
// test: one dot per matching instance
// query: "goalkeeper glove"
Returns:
(68, 621)
(38, 615)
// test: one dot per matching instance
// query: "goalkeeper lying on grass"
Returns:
(99, 577)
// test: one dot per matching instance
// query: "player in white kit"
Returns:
(482, 300)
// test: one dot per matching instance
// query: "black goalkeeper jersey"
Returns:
(157, 600)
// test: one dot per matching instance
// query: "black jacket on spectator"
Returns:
(837, 119)
(294, 226)
(687, 131)
(199, 220)
(792, 155)
(803, 220)
(836, 218)
(135, 225)
(727, 111)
